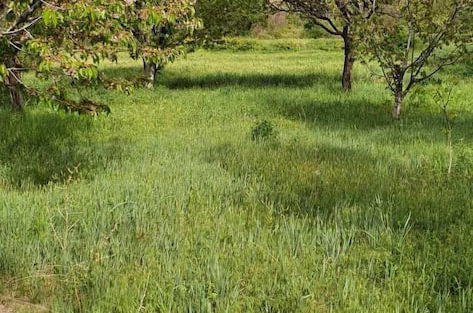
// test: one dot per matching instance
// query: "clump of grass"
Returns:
(263, 131)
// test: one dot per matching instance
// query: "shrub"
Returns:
(263, 130)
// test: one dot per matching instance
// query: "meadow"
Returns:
(177, 202)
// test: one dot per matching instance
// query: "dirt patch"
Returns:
(21, 306)
(4, 309)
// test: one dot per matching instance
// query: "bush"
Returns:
(229, 17)
(262, 131)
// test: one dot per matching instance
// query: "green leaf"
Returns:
(3, 72)
(50, 18)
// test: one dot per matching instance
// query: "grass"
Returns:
(168, 205)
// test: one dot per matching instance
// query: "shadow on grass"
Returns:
(4, 98)
(361, 116)
(347, 112)
(299, 179)
(251, 80)
(317, 180)
(350, 113)
(363, 191)
(39, 148)
(176, 80)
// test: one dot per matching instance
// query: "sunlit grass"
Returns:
(168, 205)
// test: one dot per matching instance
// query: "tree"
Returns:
(337, 18)
(63, 41)
(56, 39)
(229, 17)
(162, 30)
(412, 40)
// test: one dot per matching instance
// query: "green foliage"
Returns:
(168, 206)
(262, 131)
(280, 26)
(239, 44)
(413, 40)
(314, 31)
(60, 41)
(336, 18)
(64, 41)
(330, 16)
(229, 17)
(3, 72)
(429, 93)
(162, 29)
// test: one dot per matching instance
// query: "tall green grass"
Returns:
(168, 205)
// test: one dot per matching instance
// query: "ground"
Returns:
(3, 309)
(169, 205)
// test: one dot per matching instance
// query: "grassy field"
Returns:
(168, 205)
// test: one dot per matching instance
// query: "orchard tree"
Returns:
(163, 30)
(412, 40)
(63, 41)
(337, 18)
(60, 40)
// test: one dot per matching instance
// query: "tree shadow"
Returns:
(249, 80)
(348, 113)
(356, 189)
(354, 114)
(294, 178)
(174, 79)
(40, 148)
(320, 179)
(430, 126)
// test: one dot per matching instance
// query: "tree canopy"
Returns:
(337, 18)
(56, 39)
(162, 30)
(229, 17)
(64, 40)
(413, 40)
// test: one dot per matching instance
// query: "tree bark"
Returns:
(349, 61)
(13, 83)
(151, 71)
(398, 100)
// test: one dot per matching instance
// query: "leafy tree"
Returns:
(337, 18)
(412, 40)
(57, 39)
(162, 29)
(229, 17)
(63, 41)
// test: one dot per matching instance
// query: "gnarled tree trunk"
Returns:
(151, 71)
(349, 60)
(14, 85)
(398, 100)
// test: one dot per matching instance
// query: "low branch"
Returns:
(26, 15)
(24, 28)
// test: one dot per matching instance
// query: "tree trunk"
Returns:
(398, 100)
(14, 86)
(151, 70)
(349, 61)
